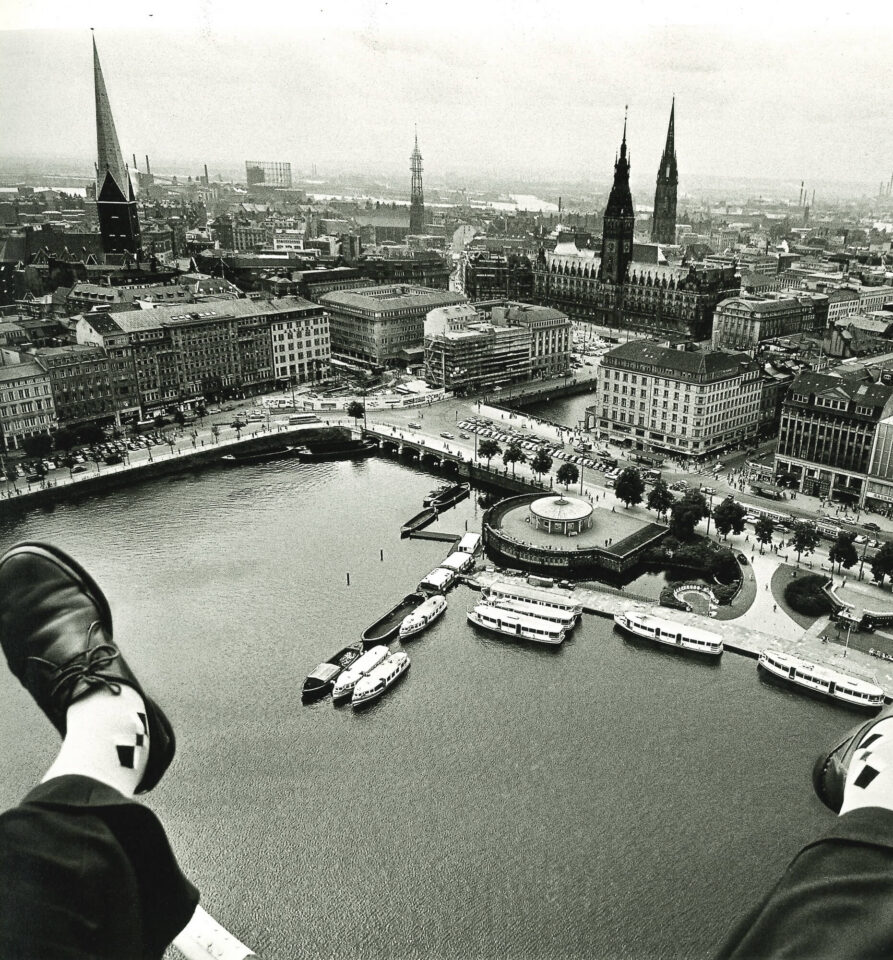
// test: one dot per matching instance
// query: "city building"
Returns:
(267, 173)
(663, 226)
(382, 326)
(417, 196)
(26, 402)
(668, 400)
(115, 201)
(550, 334)
(616, 290)
(466, 353)
(301, 345)
(180, 354)
(743, 322)
(485, 276)
(80, 379)
(829, 429)
(423, 268)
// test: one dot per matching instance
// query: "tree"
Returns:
(567, 474)
(201, 411)
(63, 439)
(729, 515)
(513, 454)
(38, 445)
(630, 487)
(179, 417)
(686, 513)
(804, 538)
(356, 410)
(882, 564)
(843, 551)
(659, 498)
(488, 449)
(541, 463)
(763, 530)
(89, 433)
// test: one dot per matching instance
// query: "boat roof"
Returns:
(325, 671)
(455, 561)
(696, 633)
(525, 606)
(439, 576)
(526, 592)
(512, 616)
(469, 542)
(822, 672)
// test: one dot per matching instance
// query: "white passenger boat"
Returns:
(385, 675)
(470, 543)
(821, 680)
(520, 625)
(423, 616)
(344, 685)
(670, 632)
(457, 561)
(567, 618)
(512, 590)
(438, 580)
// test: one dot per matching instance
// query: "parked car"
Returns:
(414, 426)
(860, 539)
(447, 436)
(871, 525)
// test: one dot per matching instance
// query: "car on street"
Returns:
(871, 525)
(447, 436)
(414, 426)
(464, 436)
(848, 520)
(237, 423)
(874, 544)
(679, 485)
(860, 539)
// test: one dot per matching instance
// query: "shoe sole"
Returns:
(160, 729)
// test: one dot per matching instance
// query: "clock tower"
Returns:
(619, 223)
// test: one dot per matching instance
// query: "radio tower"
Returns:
(417, 197)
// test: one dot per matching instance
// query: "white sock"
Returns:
(203, 937)
(869, 781)
(106, 738)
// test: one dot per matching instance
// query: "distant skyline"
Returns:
(527, 89)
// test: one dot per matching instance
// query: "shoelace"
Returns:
(83, 667)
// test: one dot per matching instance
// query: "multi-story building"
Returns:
(550, 333)
(465, 353)
(424, 268)
(689, 403)
(829, 428)
(485, 276)
(179, 354)
(301, 345)
(26, 403)
(80, 378)
(249, 236)
(268, 173)
(742, 323)
(384, 325)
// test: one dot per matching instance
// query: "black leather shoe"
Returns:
(56, 632)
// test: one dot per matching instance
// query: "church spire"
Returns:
(619, 222)
(108, 150)
(663, 227)
(417, 196)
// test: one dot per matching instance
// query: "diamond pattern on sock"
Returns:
(866, 776)
(145, 722)
(126, 756)
(870, 740)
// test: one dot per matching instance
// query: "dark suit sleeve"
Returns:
(835, 900)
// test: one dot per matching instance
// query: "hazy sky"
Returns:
(783, 89)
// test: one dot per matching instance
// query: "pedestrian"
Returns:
(774, 608)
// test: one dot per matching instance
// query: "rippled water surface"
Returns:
(601, 800)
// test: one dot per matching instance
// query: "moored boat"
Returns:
(432, 495)
(320, 680)
(567, 618)
(385, 627)
(450, 496)
(381, 678)
(423, 616)
(336, 449)
(258, 456)
(512, 590)
(518, 625)
(438, 580)
(420, 520)
(458, 561)
(349, 678)
(821, 680)
(670, 632)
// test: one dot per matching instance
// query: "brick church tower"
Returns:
(663, 228)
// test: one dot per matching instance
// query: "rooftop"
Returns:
(705, 363)
(391, 297)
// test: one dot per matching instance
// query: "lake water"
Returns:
(602, 800)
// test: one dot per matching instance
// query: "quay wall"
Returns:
(163, 463)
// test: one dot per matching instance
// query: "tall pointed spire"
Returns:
(115, 202)
(663, 226)
(417, 196)
(108, 150)
(619, 222)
